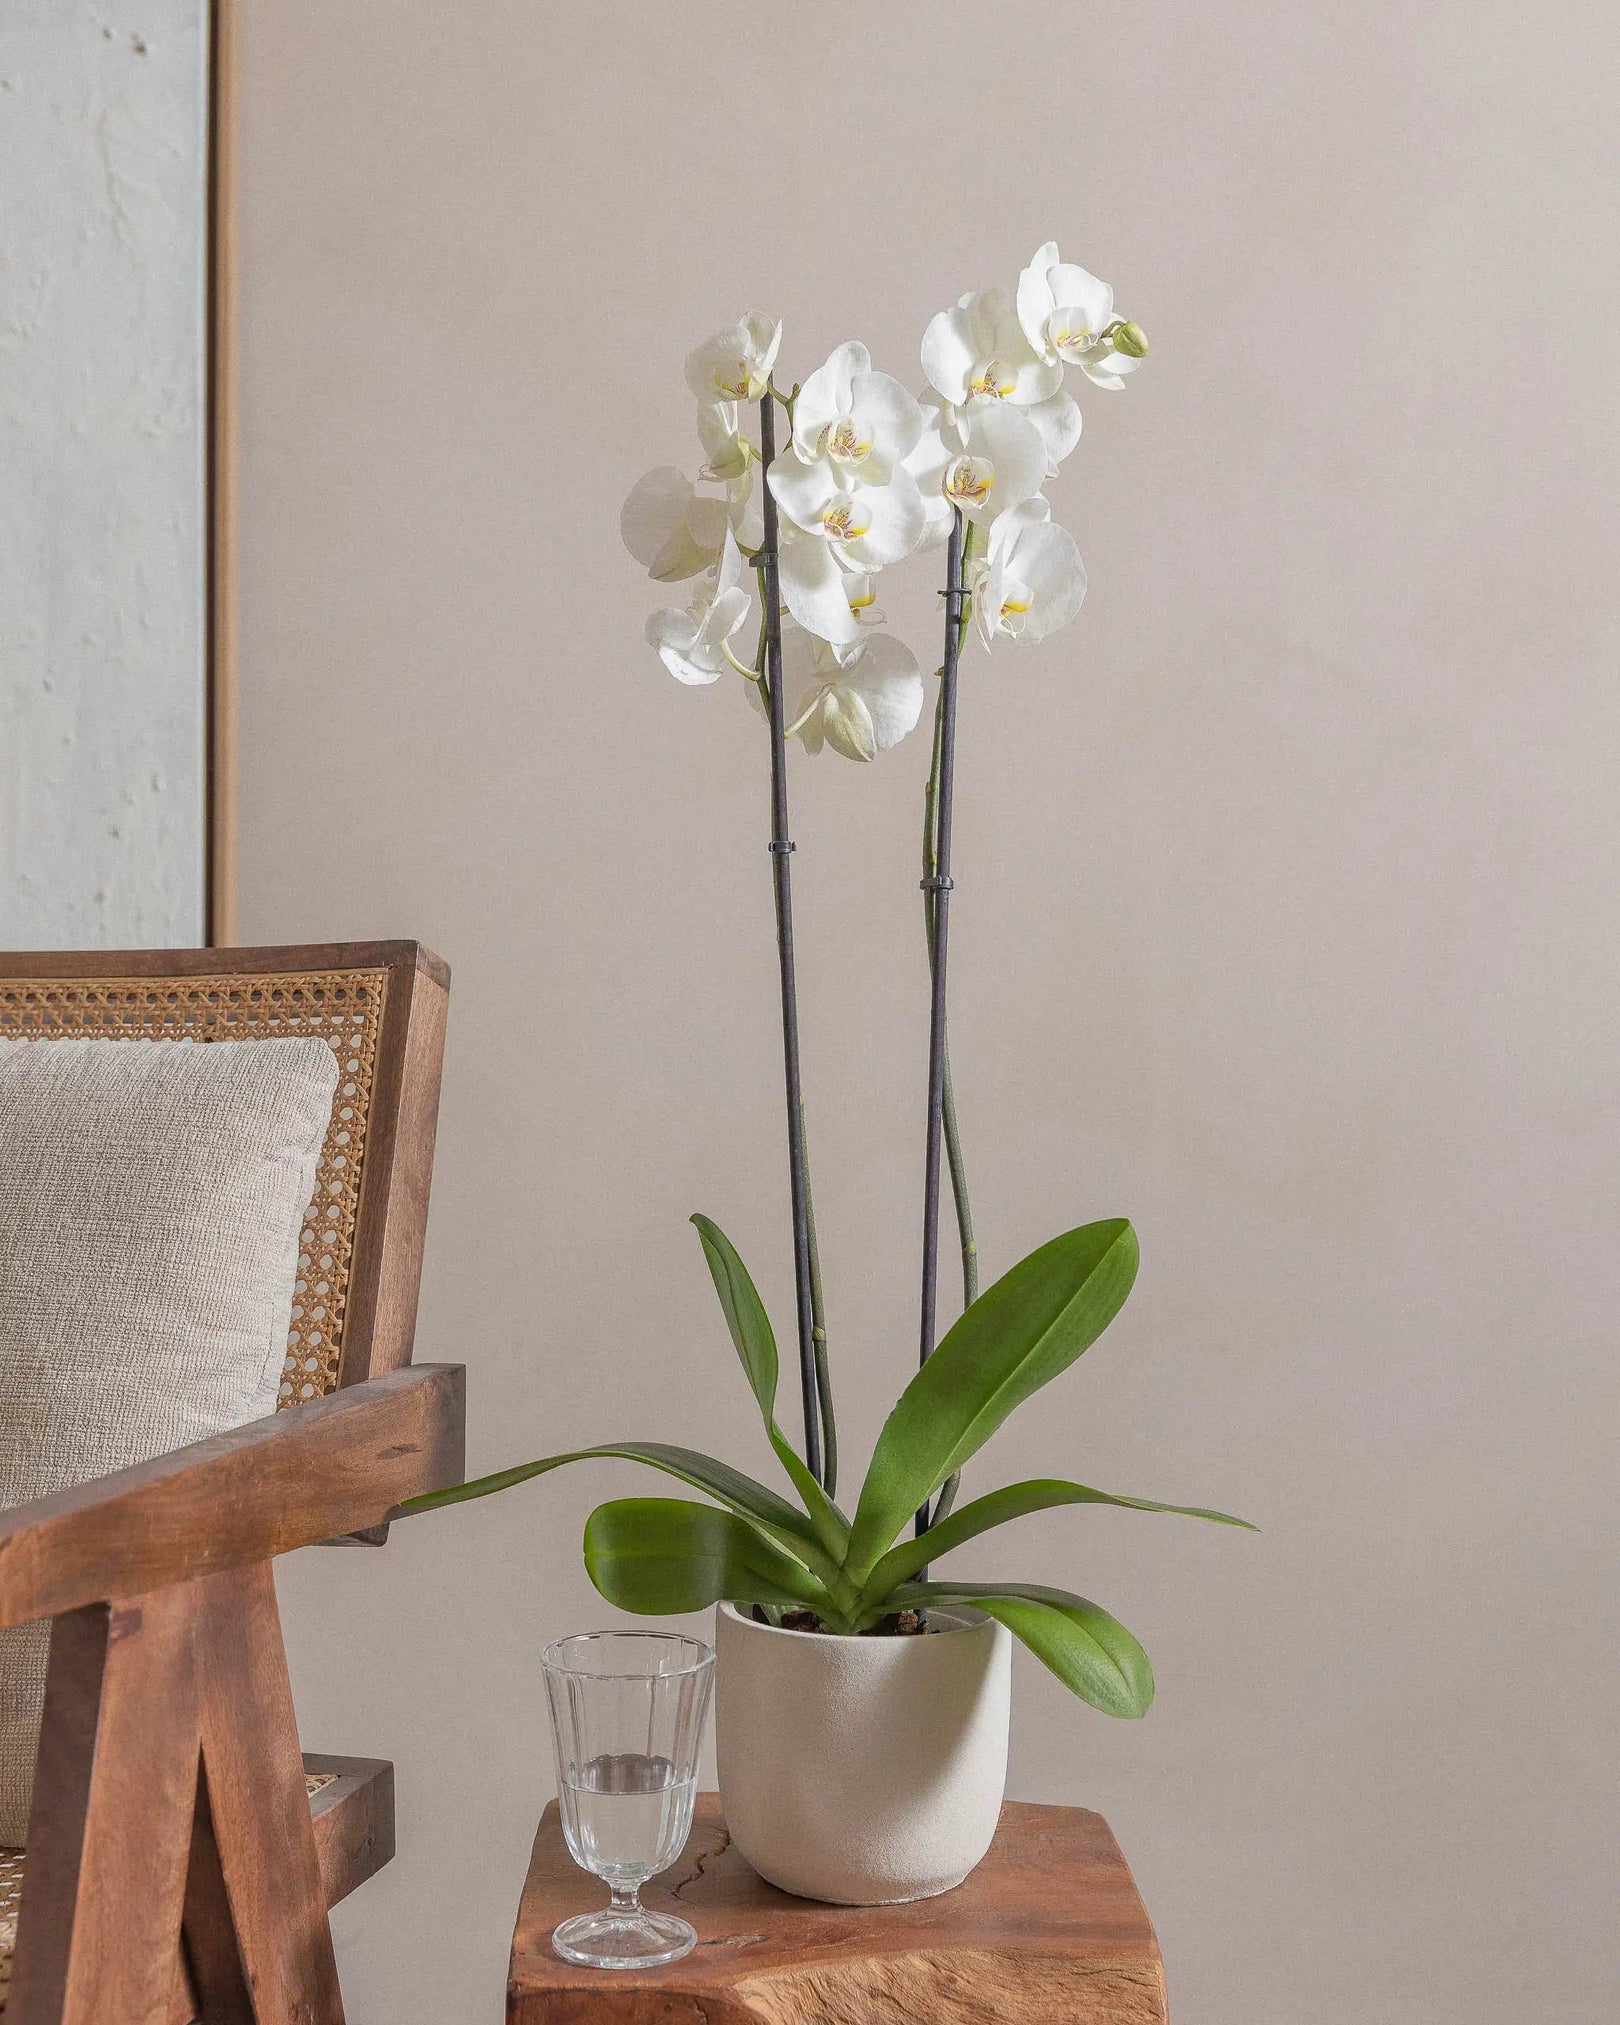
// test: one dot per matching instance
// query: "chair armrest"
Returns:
(335, 1465)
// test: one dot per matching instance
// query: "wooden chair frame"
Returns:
(177, 1868)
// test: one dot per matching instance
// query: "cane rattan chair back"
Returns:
(262, 1840)
(380, 1006)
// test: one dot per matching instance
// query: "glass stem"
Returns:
(626, 1897)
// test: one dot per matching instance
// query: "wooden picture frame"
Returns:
(220, 506)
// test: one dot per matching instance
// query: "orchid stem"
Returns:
(953, 1139)
(812, 1388)
(937, 898)
(818, 1334)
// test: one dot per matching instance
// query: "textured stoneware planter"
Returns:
(865, 1771)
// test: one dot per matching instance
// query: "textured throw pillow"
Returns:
(152, 1195)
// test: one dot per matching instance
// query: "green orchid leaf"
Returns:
(661, 1556)
(1092, 1653)
(762, 1507)
(1014, 1501)
(1017, 1336)
(751, 1332)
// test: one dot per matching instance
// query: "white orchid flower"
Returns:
(727, 452)
(831, 533)
(670, 528)
(735, 364)
(1030, 580)
(863, 423)
(859, 699)
(692, 644)
(978, 353)
(1067, 314)
(983, 458)
(978, 349)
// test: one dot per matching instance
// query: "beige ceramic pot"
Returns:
(865, 1771)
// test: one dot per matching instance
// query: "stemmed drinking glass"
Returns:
(627, 1710)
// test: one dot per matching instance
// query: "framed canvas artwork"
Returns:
(116, 433)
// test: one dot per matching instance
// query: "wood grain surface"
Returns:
(1049, 1930)
(331, 1466)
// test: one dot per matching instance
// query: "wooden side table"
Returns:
(1049, 1930)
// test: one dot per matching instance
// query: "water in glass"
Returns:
(626, 1815)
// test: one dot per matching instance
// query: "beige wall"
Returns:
(1286, 919)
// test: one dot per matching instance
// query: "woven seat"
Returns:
(11, 1882)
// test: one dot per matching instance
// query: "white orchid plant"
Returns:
(790, 545)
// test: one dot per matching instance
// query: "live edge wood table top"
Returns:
(1049, 1930)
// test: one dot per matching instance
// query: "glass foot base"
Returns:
(624, 1940)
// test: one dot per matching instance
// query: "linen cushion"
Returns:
(151, 1199)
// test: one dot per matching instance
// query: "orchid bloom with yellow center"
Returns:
(1030, 579)
(1067, 315)
(735, 364)
(988, 458)
(863, 423)
(841, 522)
(969, 482)
(998, 381)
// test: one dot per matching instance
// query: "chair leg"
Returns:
(110, 1827)
(212, 1957)
(169, 1800)
(257, 1807)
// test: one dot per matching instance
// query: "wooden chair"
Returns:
(182, 1854)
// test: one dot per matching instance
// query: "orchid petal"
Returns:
(845, 723)
(1050, 568)
(745, 511)
(652, 512)
(661, 526)
(1035, 300)
(890, 685)
(948, 353)
(1058, 421)
(804, 488)
(725, 449)
(1105, 367)
(813, 585)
